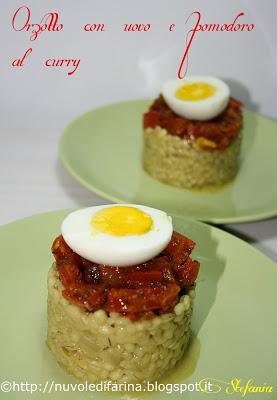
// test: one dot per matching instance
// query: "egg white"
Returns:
(112, 250)
(201, 110)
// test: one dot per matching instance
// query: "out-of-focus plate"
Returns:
(103, 150)
(234, 322)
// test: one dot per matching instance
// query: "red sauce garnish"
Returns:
(220, 130)
(139, 291)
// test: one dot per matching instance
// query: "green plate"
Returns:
(103, 150)
(234, 322)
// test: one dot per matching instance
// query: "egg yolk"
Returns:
(195, 91)
(122, 221)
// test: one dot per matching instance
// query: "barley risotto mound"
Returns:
(182, 163)
(95, 346)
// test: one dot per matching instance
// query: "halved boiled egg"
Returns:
(197, 97)
(117, 235)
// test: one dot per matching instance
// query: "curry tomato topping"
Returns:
(139, 291)
(217, 133)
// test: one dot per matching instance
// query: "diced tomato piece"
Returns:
(187, 274)
(159, 264)
(60, 247)
(111, 276)
(138, 278)
(156, 263)
(63, 253)
(85, 296)
(144, 299)
(163, 265)
(177, 126)
(69, 274)
(147, 276)
(168, 275)
(179, 248)
(150, 119)
(91, 272)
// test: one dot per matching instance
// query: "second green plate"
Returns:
(103, 150)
